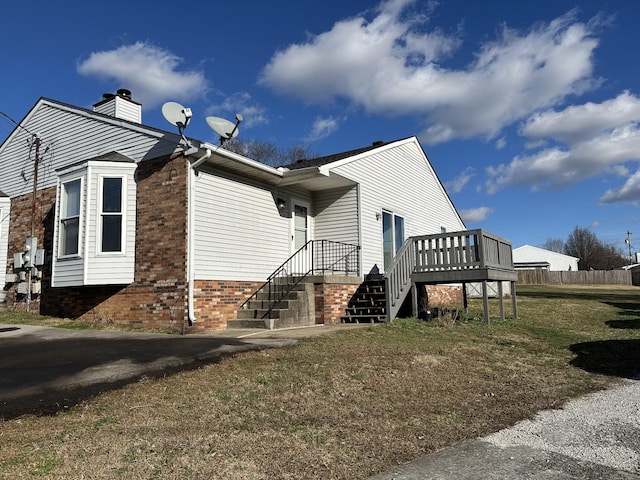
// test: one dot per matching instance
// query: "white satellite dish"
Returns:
(176, 114)
(224, 128)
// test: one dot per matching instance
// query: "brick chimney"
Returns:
(120, 105)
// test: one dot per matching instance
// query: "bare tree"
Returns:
(593, 254)
(554, 245)
(583, 244)
(268, 153)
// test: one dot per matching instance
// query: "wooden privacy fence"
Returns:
(579, 277)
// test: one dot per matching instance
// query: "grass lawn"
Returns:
(341, 406)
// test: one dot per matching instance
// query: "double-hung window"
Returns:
(111, 215)
(70, 218)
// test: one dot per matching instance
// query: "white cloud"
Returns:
(150, 72)
(599, 138)
(322, 128)
(457, 184)
(394, 64)
(501, 143)
(581, 122)
(242, 102)
(629, 192)
(475, 215)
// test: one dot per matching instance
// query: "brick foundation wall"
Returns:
(444, 295)
(158, 296)
(216, 302)
(332, 300)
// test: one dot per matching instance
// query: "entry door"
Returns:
(392, 236)
(300, 234)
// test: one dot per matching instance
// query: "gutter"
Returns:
(191, 177)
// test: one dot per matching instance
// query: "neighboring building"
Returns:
(528, 258)
(134, 226)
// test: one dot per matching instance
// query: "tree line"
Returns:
(593, 253)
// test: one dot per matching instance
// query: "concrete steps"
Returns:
(296, 310)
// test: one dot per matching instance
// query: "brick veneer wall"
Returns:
(444, 295)
(216, 302)
(332, 300)
(158, 296)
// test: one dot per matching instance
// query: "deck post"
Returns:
(501, 301)
(465, 299)
(485, 302)
(414, 300)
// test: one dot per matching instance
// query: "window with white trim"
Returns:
(111, 215)
(392, 235)
(69, 233)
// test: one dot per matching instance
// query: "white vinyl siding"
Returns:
(239, 232)
(336, 215)
(121, 108)
(399, 179)
(61, 130)
(5, 204)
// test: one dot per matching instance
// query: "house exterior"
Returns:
(529, 257)
(132, 224)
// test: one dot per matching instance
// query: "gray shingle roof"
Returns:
(317, 162)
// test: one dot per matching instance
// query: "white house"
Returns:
(140, 225)
(529, 257)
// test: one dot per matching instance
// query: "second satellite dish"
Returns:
(224, 128)
(176, 114)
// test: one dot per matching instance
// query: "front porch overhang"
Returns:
(311, 179)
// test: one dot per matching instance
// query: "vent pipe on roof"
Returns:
(377, 143)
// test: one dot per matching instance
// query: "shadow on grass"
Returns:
(620, 358)
(631, 324)
(51, 369)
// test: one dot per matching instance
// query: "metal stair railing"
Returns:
(314, 258)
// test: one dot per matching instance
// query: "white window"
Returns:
(69, 233)
(111, 224)
(392, 235)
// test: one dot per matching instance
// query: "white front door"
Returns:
(300, 235)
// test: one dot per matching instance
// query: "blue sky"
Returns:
(528, 111)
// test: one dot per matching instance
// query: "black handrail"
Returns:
(315, 257)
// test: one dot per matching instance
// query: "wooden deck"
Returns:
(468, 256)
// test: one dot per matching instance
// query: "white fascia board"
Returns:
(291, 177)
(216, 150)
(368, 153)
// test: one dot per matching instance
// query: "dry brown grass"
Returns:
(343, 406)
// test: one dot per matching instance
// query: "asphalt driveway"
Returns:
(45, 369)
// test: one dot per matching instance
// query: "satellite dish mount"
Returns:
(177, 115)
(224, 128)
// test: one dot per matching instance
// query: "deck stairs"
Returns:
(368, 304)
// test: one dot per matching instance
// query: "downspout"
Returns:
(190, 234)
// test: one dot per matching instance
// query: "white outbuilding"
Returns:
(529, 257)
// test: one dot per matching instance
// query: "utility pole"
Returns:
(33, 213)
(628, 242)
(35, 187)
